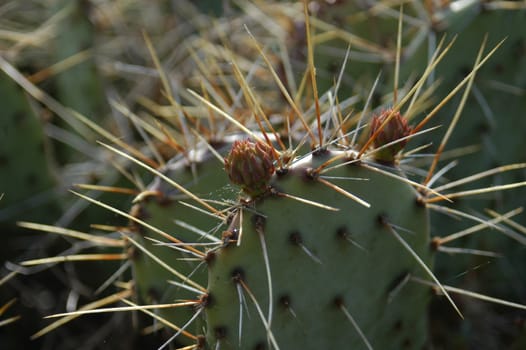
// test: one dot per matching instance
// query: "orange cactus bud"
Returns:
(395, 129)
(250, 165)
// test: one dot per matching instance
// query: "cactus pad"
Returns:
(320, 262)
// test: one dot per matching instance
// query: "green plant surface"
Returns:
(79, 87)
(488, 133)
(168, 210)
(320, 262)
(26, 176)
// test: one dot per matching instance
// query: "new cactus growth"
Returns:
(250, 165)
(390, 130)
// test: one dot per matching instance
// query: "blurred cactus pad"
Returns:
(263, 174)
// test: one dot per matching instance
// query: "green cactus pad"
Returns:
(80, 87)
(322, 261)
(26, 176)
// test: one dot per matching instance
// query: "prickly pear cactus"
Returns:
(326, 270)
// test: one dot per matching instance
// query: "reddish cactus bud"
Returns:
(250, 165)
(395, 129)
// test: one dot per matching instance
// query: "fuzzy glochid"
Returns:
(250, 165)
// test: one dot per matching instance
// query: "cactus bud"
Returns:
(250, 165)
(395, 129)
